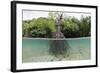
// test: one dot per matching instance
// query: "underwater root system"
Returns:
(58, 48)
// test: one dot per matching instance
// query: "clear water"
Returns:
(37, 50)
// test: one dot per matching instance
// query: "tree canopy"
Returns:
(44, 26)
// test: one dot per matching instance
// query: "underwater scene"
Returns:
(41, 50)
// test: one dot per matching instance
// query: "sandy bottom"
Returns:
(73, 54)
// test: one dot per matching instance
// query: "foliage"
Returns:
(73, 27)
(38, 27)
(45, 26)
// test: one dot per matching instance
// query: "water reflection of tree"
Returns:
(58, 46)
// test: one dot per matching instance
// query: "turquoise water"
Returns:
(33, 49)
(82, 42)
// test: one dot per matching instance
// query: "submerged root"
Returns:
(59, 49)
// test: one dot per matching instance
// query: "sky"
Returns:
(29, 14)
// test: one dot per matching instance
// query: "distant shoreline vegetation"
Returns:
(55, 38)
(44, 27)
